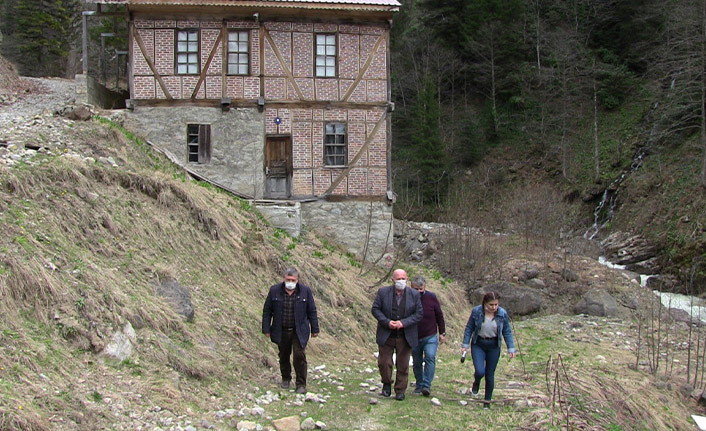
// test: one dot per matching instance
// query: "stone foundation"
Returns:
(364, 228)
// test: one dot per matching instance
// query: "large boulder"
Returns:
(635, 251)
(120, 346)
(289, 423)
(517, 300)
(178, 296)
(597, 303)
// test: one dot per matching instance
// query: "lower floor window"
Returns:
(198, 143)
(335, 147)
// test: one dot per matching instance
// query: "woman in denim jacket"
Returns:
(485, 330)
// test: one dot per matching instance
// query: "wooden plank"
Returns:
(252, 103)
(206, 66)
(224, 62)
(288, 72)
(357, 157)
(368, 61)
(150, 63)
(325, 104)
(261, 35)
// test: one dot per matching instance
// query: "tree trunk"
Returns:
(493, 95)
(564, 115)
(596, 152)
(537, 24)
(703, 94)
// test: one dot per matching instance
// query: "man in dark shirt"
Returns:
(397, 309)
(424, 354)
(288, 317)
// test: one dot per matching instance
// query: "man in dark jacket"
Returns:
(288, 317)
(397, 309)
(424, 355)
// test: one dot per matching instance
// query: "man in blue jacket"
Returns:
(288, 317)
(398, 309)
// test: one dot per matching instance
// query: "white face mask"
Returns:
(290, 285)
(400, 284)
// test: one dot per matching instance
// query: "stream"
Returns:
(693, 305)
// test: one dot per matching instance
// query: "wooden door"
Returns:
(278, 167)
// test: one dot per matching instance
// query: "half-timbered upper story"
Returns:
(275, 99)
(318, 69)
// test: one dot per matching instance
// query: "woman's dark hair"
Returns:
(490, 296)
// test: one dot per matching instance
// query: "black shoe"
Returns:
(417, 391)
(399, 397)
(486, 405)
(474, 389)
(386, 389)
(284, 384)
(426, 392)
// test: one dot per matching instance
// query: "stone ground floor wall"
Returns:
(284, 215)
(237, 142)
(364, 229)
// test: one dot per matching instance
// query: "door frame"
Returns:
(288, 167)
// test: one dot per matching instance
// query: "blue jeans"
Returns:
(485, 354)
(424, 356)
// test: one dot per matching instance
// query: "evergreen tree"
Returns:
(429, 161)
(40, 34)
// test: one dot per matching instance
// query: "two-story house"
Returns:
(286, 102)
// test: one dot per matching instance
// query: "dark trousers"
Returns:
(290, 342)
(485, 354)
(400, 346)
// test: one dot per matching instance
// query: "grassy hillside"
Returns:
(96, 220)
(85, 245)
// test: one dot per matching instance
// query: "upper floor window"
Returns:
(325, 55)
(335, 146)
(187, 51)
(238, 52)
(198, 143)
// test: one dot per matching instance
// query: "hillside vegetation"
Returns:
(87, 243)
(521, 114)
(95, 223)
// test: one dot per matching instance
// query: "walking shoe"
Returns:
(426, 392)
(474, 389)
(284, 384)
(486, 405)
(399, 397)
(386, 389)
(417, 391)
(301, 389)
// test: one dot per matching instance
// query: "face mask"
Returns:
(400, 284)
(290, 285)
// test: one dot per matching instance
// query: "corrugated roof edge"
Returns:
(393, 3)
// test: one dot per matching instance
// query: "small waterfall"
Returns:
(606, 207)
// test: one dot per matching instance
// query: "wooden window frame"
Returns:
(198, 143)
(238, 53)
(177, 52)
(325, 56)
(343, 144)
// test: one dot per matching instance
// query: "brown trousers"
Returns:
(290, 342)
(401, 347)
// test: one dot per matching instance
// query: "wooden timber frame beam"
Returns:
(202, 78)
(363, 149)
(150, 63)
(362, 71)
(282, 63)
